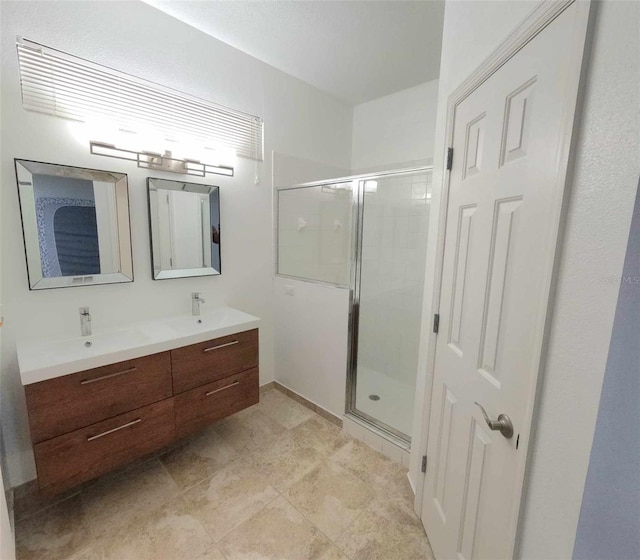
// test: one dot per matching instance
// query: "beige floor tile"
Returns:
(368, 464)
(213, 553)
(333, 553)
(215, 497)
(330, 497)
(27, 499)
(399, 488)
(387, 530)
(284, 410)
(112, 502)
(319, 434)
(58, 532)
(286, 461)
(168, 533)
(231, 496)
(135, 465)
(278, 532)
(249, 431)
(198, 458)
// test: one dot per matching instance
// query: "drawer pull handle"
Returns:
(102, 378)
(115, 429)
(221, 346)
(222, 388)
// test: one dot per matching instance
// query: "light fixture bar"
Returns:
(163, 162)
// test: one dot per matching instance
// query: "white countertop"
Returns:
(40, 359)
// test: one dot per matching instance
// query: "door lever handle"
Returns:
(502, 424)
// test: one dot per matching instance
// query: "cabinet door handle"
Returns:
(221, 346)
(222, 388)
(91, 438)
(103, 377)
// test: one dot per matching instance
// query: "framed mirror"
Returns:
(184, 219)
(75, 223)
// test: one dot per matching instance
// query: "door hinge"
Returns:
(449, 159)
(436, 323)
(424, 463)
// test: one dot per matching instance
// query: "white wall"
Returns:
(311, 324)
(311, 341)
(138, 39)
(396, 130)
(597, 229)
(596, 232)
(609, 523)
(7, 543)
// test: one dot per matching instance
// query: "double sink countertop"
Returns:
(40, 359)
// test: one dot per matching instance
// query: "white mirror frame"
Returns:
(122, 261)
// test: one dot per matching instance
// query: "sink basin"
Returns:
(206, 321)
(53, 350)
(40, 360)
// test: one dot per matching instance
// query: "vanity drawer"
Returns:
(70, 459)
(64, 404)
(208, 361)
(200, 407)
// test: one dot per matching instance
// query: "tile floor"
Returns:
(273, 482)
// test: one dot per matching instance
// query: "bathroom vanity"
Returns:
(97, 403)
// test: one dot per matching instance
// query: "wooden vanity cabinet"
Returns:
(88, 423)
(209, 403)
(209, 361)
(63, 404)
(69, 459)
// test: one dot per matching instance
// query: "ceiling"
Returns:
(353, 50)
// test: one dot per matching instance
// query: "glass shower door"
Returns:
(389, 283)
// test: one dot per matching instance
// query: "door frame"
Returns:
(539, 18)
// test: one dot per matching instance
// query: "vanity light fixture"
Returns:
(155, 126)
(156, 160)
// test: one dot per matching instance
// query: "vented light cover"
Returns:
(66, 86)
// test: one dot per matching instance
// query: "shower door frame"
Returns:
(357, 222)
(391, 433)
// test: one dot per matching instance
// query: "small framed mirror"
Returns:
(184, 219)
(75, 223)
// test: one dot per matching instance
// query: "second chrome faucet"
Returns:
(196, 300)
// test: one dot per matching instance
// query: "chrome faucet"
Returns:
(85, 321)
(196, 300)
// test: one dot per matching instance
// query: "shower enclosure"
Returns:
(369, 234)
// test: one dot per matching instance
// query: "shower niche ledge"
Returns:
(96, 407)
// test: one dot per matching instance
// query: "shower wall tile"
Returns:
(353, 428)
(392, 451)
(373, 440)
(396, 219)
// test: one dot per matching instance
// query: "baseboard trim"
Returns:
(329, 416)
(267, 386)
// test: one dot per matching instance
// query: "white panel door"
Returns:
(509, 137)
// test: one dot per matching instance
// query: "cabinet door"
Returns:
(67, 460)
(209, 403)
(61, 405)
(209, 361)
